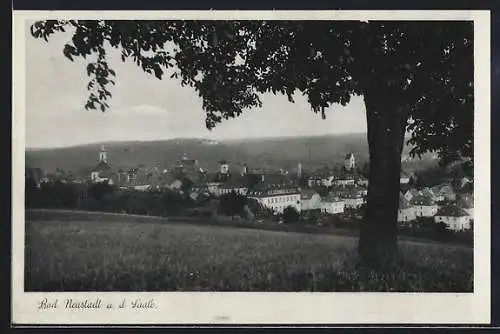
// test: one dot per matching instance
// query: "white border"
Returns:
(271, 308)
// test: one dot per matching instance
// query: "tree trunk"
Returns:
(386, 120)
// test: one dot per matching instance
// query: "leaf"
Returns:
(90, 68)
(67, 51)
(158, 72)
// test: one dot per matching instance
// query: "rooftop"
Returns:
(403, 203)
(268, 190)
(101, 166)
(307, 194)
(451, 211)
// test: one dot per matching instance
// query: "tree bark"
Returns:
(386, 120)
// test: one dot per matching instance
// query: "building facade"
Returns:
(309, 200)
(424, 206)
(332, 205)
(277, 197)
(406, 212)
(455, 218)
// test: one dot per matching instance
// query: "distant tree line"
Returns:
(434, 176)
(105, 197)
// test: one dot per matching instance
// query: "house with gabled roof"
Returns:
(425, 206)
(309, 199)
(409, 194)
(455, 218)
(276, 196)
(406, 212)
(332, 204)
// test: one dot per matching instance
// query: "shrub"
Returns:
(232, 204)
(290, 215)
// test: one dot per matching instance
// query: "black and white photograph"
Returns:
(266, 155)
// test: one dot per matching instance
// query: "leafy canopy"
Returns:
(427, 67)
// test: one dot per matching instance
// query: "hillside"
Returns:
(271, 153)
(96, 252)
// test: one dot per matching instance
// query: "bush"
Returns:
(290, 215)
(104, 197)
(441, 231)
(232, 204)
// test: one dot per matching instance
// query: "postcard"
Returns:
(251, 167)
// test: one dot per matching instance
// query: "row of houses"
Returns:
(335, 202)
(276, 190)
(348, 179)
(279, 196)
(442, 203)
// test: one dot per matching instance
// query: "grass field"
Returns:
(109, 254)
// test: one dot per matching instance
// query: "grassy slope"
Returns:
(107, 255)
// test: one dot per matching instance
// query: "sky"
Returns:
(145, 108)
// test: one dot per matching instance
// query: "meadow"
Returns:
(114, 253)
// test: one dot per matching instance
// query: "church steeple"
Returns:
(103, 156)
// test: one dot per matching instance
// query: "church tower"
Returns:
(101, 172)
(350, 162)
(103, 156)
(244, 170)
(224, 167)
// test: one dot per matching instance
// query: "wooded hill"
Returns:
(267, 153)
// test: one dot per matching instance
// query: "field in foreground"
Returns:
(109, 255)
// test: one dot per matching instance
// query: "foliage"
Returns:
(113, 254)
(32, 191)
(54, 195)
(290, 215)
(232, 204)
(442, 232)
(100, 189)
(104, 197)
(311, 216)
(430, 177)
(187, 185)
